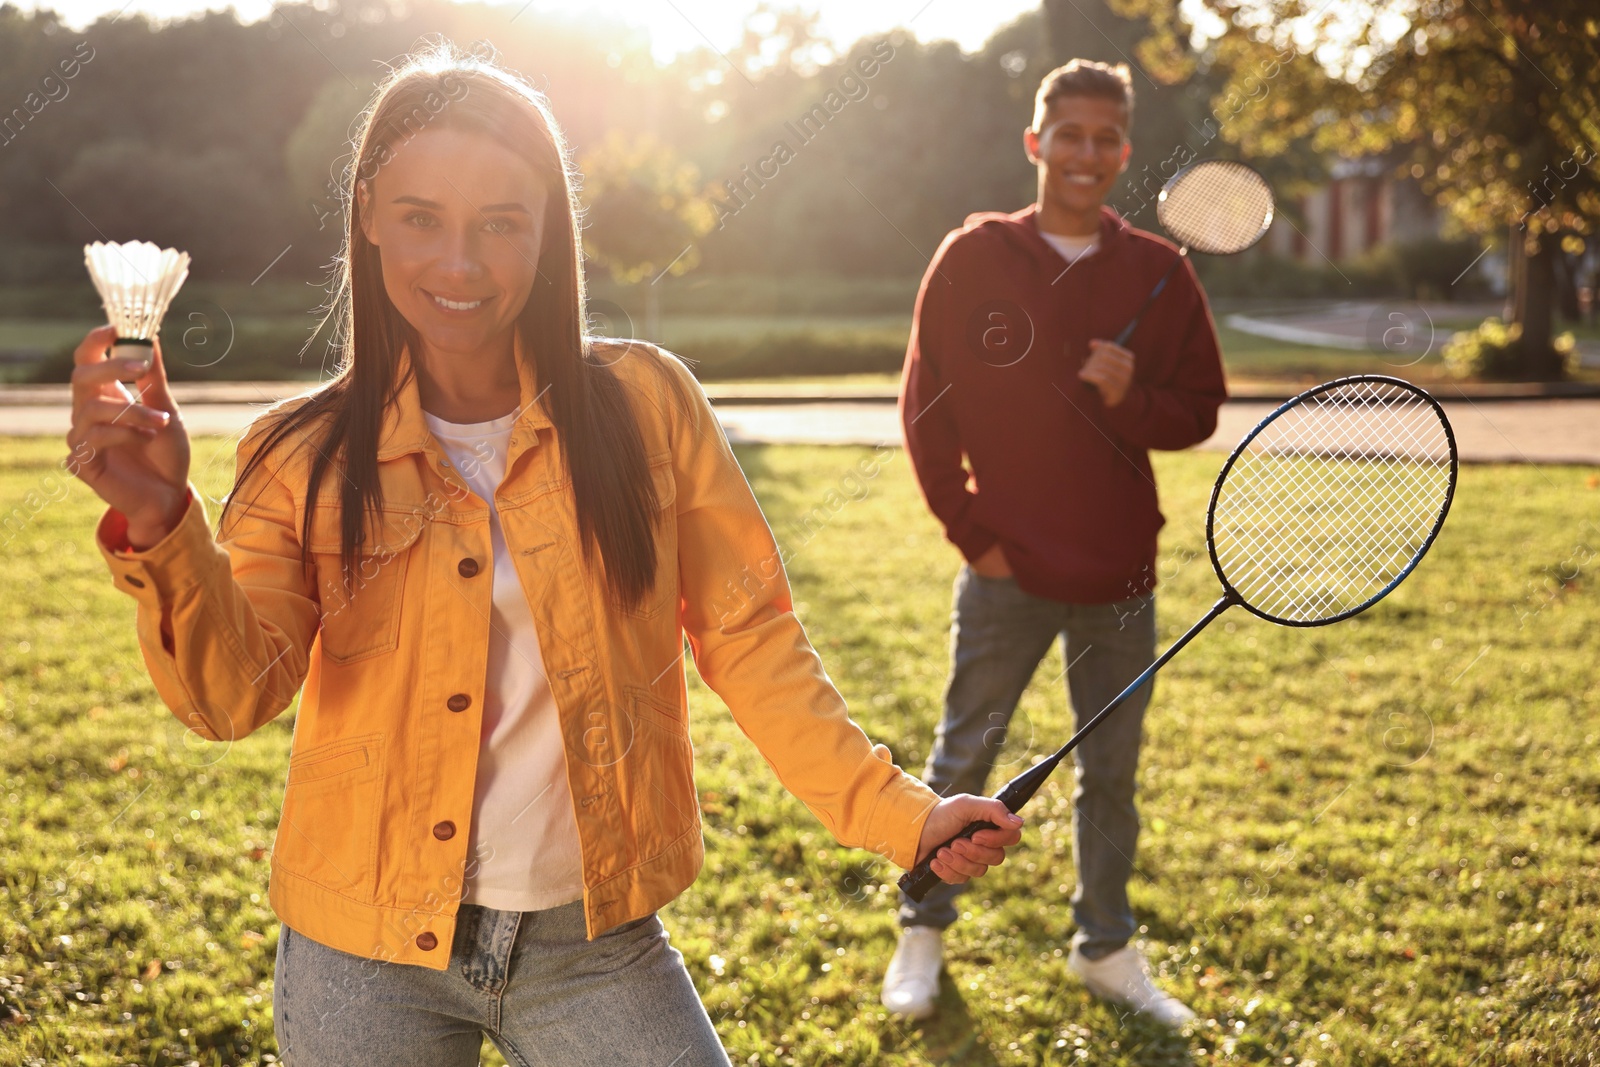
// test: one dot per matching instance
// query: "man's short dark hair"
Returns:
(1085, 77)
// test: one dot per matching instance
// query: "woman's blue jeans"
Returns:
(528, 979)
(998, 635)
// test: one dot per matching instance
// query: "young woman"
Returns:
(477, 550)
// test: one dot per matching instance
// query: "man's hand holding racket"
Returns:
(1109, 369)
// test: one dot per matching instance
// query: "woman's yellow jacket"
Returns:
(373, 839)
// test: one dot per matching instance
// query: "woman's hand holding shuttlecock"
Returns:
(128, 442)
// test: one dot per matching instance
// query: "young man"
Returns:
(1009, 368)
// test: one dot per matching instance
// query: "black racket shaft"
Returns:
(1127, 331)
(920, 879)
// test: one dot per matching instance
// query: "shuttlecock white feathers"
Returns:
(137, 282)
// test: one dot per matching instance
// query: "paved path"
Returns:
(1488, 431)
(1378, 326)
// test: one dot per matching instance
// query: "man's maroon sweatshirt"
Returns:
(1062, 482)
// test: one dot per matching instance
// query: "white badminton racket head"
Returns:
(1217, 206)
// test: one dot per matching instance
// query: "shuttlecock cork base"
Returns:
(137, 282)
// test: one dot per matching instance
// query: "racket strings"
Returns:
(1332, 501)
(1378, 490)
(1371, 567)
(1377, 486)
(1218, 207)
(1362, 508)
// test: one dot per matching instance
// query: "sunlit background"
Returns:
(674, 26)
(1374, 844)
(793, 249)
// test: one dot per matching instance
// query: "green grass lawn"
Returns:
(684, 330)
(1372, 843)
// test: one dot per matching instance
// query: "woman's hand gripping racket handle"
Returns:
(920, 879)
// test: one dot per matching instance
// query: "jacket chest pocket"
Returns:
(664, 530)
(361, 611)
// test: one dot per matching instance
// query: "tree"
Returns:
(1491, 104)
(318, 152)
(646, 210)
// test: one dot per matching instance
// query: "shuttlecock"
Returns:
(137, 282)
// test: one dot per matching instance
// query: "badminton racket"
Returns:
(1318, 514)
(1218, 207)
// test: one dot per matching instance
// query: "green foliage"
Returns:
(1262, 274)
(229, 142)
(206, 203)
(1493, 351)
(1372, 843)
(319, 149)
(794, 352)
(1438, 268)
(1489, 104)
(253, 350)
(748, 293)
(647, 207)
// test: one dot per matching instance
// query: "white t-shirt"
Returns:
(1072, 248)
(524, 835)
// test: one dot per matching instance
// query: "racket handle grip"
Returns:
(916, 882)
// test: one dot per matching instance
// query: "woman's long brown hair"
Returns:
(599, 435)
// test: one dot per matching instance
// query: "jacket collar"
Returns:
(404, 429)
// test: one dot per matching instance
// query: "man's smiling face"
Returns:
(1080, 151)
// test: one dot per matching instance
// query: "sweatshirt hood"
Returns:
(1021, 228)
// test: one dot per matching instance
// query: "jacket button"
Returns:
(426, 940)
(134, 581)
(467, 567)
(444, 831)
(459, 702)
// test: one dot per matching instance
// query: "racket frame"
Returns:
(1298, 401)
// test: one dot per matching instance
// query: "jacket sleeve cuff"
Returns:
(156, 574)
(894, 829)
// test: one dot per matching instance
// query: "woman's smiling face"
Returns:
(458, 220)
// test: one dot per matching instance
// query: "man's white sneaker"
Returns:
(1124, 977)
(911, 985)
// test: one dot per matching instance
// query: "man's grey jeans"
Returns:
(998, 635)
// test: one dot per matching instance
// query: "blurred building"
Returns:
(1363, 206)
